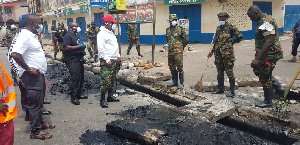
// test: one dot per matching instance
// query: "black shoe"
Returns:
(279, 91)
(46, 102)
(181, 79)
(16, 83)
(174, 78)
(232, 85)
(46, 112)
(268, 94)
(75, 101)
(139, 54)
(83, 97)
(112, 99)
(103, 104)
(128, 53)
(220, 89)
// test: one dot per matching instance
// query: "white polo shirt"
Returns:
(27, 44)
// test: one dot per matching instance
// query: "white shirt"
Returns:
(108, 47)
(27, 44)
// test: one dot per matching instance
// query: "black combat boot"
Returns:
(55, 54)
(279, 91)
(268, 94)
(232, 85)
(74, 100)
(96, 58)
(174, 78)
(128, 51)
(112, 96)
(181, 79)
(84, 94)
(103, 102)
(220, 88)
(91, 53)
(139, 54)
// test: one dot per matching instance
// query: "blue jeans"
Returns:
(295, 46)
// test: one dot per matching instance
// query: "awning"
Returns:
(8, 5)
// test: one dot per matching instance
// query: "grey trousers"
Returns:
(35, 90)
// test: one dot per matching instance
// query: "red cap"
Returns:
(109, 18)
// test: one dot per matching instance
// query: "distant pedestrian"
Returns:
(31, 66)
(54, 41)
(177, 39)
(73, 51)
(8, 108)
(224, 53)
(60, 33)
(133, 37)
(268, 52)
(92, 41)
(109, 59)
(296, 42)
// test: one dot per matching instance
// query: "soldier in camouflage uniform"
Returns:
(61, 32)
(54, 41)
(268, 52)
(224, 54)
(11, 32)
(133, 37)
(177, 39)
(92, 40)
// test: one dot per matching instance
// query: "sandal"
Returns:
(42, 135)
(48, 125)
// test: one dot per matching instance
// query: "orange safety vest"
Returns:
(7, 94)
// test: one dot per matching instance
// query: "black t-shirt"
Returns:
(70, 39)
(60, 33)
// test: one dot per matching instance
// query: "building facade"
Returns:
(202, 17)
(13, 9)
(292, 14)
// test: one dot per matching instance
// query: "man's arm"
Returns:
(269, 39)
(237, 34)
(101, 47)
(20, 61)
(67, 42)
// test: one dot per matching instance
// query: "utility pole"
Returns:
(2, 4)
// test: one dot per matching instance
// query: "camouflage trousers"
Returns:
(224, 63)
(175, 62)
(138, 46)
(92, 46)
(55, 46)
(264, 72)
(108, 75)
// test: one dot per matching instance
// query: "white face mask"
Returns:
(12, 26)
(114, 26)
(222, 22)
(40, 29)
(78, 29)
(174, 23)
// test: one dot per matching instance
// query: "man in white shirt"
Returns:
(108, 49)
(30, 64)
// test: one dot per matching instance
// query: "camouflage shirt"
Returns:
(10, 34)
(132, 32)
(92, 33)
(263, 29)
(224, 35)
(177, 38)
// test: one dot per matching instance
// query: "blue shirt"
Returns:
(297, 25)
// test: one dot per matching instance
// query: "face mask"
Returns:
(12, 26)
(222, 22)
(40, 29)
(113, 27)
(174, 23)
(78, 29)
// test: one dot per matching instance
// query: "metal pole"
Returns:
(119, 37)
(154, 21)
(2, 7)
(90, 11)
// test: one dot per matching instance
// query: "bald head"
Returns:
(254, 13)
(33, 23)
(73, 27)
(73, 24)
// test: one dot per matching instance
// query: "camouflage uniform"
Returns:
(10, 34)
(223, 49)
(60, 36)
(268, 61)
(133, 37)
(54, 42)
(108, 74)
(177, 39)
(92, 41)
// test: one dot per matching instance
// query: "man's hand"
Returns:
(210, 54)
(254, 63)
(3, 108)
(34, 72)
(82, 46)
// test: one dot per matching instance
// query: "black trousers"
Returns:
(35, 90)
(76, 69)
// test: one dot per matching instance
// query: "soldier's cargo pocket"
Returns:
(33, 94)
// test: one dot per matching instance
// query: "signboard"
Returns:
(178, 2)
(116, 6)
(98, 2)
(138, 13)
(57, 14)
(68, 12)
(84, 9)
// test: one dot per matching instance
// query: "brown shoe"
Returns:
(42, 135)
(293, 59)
